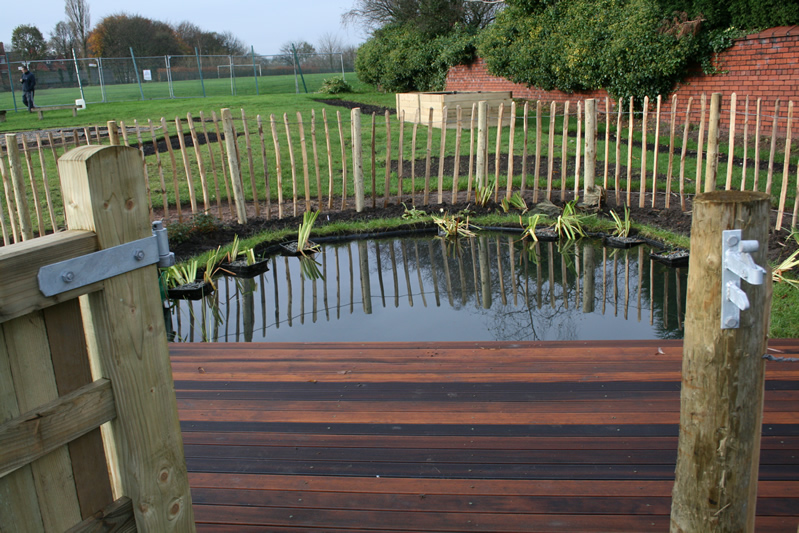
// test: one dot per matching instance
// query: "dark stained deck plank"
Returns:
(559, 436)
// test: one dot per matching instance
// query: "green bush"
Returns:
(619, 45)
(400, 58)
(335, 85)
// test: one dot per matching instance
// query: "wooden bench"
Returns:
(41, 110)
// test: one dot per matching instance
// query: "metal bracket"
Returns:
(737, 265)
(98, 266)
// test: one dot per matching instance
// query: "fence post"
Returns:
(104, 192)
(721, 403)
(482, 133)
(357, 158)
(712, 155)
(113, 133)
(589, 181)
(235, 166)
(18, 183)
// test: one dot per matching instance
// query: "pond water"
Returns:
(421, 288)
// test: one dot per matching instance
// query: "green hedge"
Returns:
(400, 58)
(588, 44)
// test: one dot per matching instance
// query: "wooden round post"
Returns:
(712, 163)
(18, 183)
(113, 133)
(234, 164)
(482, 127)
(589, 180)
(357, 158)
(722, 375)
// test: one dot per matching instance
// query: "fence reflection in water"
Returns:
(484, 288)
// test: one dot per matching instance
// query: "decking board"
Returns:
(557, 436)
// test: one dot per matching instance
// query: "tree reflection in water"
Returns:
(496, 288)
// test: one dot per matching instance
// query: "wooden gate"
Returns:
(89, 430)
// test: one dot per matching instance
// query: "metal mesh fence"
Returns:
(63, 81)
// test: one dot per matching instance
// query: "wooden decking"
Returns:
(455, 437)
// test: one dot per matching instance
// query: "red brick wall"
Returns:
(763, 65)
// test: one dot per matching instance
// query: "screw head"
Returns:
(68, 277)
(138, 255)
(731, 322)
(732, 240)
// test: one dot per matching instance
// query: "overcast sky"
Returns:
(266, 25)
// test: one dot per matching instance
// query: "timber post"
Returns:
(723, 370)
(357, 158)
(712, 161)
(18, 183)
(113, 133)
(591, 195)
(234, 164)
(126, 336)
(482, 135)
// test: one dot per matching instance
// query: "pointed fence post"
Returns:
(234, 163)
(721, 399)
(357, 158)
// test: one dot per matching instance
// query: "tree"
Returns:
(28, 42)
(209, 43)
(150, 40)
(301, 47)
(116, 34)
(79, 21)
(330, 44)
(431, 17)
(61, 41)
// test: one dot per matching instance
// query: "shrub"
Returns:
(400, 58)
(335, 85)
(619, 45)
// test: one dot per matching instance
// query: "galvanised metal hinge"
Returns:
(98, 266)
(736, 264)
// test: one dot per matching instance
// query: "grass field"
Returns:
(153, 90)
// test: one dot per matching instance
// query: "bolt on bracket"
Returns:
(98, 266)
(736, 265)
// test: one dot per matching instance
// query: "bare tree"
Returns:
(435, 15)
(80, 23)
(61, 40)
(330, 44)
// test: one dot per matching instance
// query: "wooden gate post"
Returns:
(104, 192)
(357, 158)
(721, 403)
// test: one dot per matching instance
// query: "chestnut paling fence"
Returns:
(279, 166)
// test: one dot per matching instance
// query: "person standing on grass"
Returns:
(28, 88)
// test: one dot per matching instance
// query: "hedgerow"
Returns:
(400, 58)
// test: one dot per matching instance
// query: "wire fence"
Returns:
(123, 79)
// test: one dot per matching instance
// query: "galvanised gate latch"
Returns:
(736, 265)
(104, 264)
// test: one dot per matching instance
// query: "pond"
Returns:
(421, 288)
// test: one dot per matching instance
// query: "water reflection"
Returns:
(489, 287)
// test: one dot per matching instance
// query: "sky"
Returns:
(266, 25)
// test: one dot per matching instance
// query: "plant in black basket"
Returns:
(303, 245)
